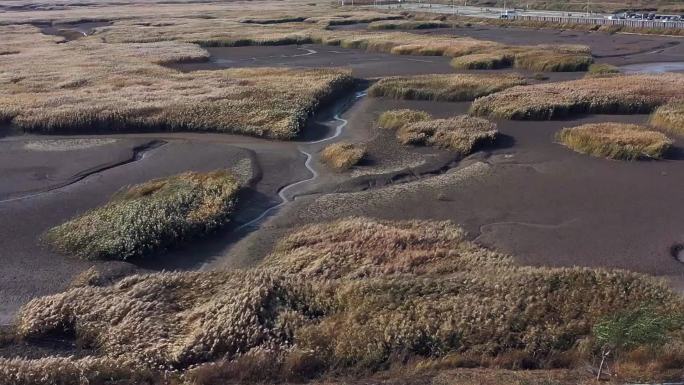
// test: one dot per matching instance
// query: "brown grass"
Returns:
(482, 61)
(394, 119)
(670, 117)
(149, 217)
(134, 93)
(408, 24)
(601, 69)
(615, 141)
(353, 294)
(457, 87)
(343, 155)
(66, 370)
(614, 95)
(461, 134)
(553, 61)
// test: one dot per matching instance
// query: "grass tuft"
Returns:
(624, 95)
(550, 61)
(358, 294)
(615, 141)
(601, 69)
(394, 119)
(670, 117)
(149, 217)
(457, 87)
(343, 155)
(461, 134)
(482, 61)
(407, 24)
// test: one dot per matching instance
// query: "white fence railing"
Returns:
(603, 21)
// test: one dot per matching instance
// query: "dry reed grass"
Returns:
(482, 61)
(343, 155)
(351, 294)
(461, 134)
(149, 217)
(456, 87)
(614, 95)
(134, 93)
(394, 119)
(70, 371)
(408, 24)
(670, 117)
(615, 141)
(601, 69)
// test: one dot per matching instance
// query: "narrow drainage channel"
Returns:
(283, 192)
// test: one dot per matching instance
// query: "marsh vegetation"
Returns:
(631, 94)
(149, 217)
(354, 294)
(615, 141)
(451, 88)
(343, 155)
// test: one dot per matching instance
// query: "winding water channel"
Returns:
(283, 192)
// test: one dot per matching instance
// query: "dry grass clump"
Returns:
(352, 294)
(272, 20)
(394, 119)
(615, 141)
(408, 24)
(543, 60)
(359, 248)
(631, 94)
(601, 69)
(343, 155)
(133, 93)
(456, 87)
(482, 61)
(66, 370)
(149, 217)
(349, 18)
(461, 134)
(670, 116)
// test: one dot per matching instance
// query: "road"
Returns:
(493, 13)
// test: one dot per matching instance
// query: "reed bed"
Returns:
(149, 217)
(550, 61)
(456, 87)
(615, 141)
(343, 155)
(461, 134)
(272, 20)
(394, 119)
(601, 69)
(407, 25)
(67, 370)
(483, 61)
(614, 95)
(355, 294)
(233, 33)
(134, 93)
(670, 117)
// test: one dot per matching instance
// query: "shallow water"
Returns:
(653, 68)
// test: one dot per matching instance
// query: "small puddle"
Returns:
(653, 68)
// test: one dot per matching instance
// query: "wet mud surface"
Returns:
(525, 195)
